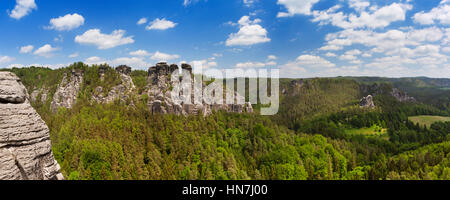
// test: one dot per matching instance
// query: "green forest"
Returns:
(319, 133)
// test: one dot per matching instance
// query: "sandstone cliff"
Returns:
(367, 102)
(161, 102)
(121, 92)
(25, 148)
(67, 92)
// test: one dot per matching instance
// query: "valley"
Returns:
(321, 132)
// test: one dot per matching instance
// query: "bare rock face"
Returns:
(25, 148)
(35, 94)
(120, 92)
(160, 94)
(67, 92)
(367, 102)
(402, 96)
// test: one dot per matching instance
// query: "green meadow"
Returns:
(427, 120)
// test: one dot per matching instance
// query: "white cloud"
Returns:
(377, 18)
(142, 21)
(140, 53)
(74, 55)
(249, 3)
(94, 60)
(359, 5)
(67, 22)
(104, 41)
(329, 54)
(134, 62)
(250, 33)
(305, 61)
(163, 56)
(255, 64)
(45, 51)
(203, 64)
(6, 59)
(26, 49)
(431, 34)
(353, 52)
(59, 38)
(440, 13)
(272, 57)
(295, 7)
(331, 48)
(161, 24)
(188, 2)
(22, 8)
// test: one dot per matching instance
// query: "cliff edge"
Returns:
(25, 148)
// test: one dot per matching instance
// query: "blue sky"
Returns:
(302, 38)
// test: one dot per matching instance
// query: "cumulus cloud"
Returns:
(26, 49)
(134, 62)
(67, 22)
(329, 54)
(204, 64)
(94, 60)
(104, 41)
(6, 59)
(255, 64)
(140, 53)
(249, 3)
(22, 8)
(303, 64)
(45, 51)
(295, 7)
(439, 14)
(161, 24)
(158, 56)
(142, 21)
(250, 33)
(272, 57)
(376, 18)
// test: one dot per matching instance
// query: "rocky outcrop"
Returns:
(42, 93)
(160, 94)
(367, 102)
(67, 91)
(25, 148)
(402, 96)
(120, 92)
(386, 89)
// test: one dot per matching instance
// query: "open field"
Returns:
(427, 120)
(371, 131)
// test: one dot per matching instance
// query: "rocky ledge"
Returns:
(25, 148)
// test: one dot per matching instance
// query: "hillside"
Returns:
(111, 123)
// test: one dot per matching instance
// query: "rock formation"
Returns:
(386, 89)
(160, 94)
(367, 102)
(402, 96)
(25, 148)
(120, 92)
(43, 92)
(67, 92)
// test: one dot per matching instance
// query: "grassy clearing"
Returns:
(369, 131)
(427, 120)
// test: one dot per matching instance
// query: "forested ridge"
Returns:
(319, 133)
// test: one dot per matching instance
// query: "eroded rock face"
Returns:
(25, 148)
(160, 93)
(120, 92)
(402, 96)
(43, 92)
(67, 92)
(367, 102)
